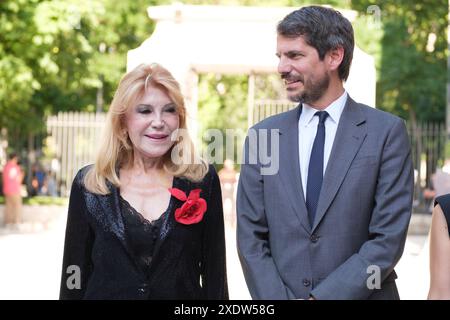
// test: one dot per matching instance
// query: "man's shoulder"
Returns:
(376, 115)
(277, 121)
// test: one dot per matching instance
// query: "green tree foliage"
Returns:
(17, 82)
(412, 62)
(271, 3)
(56, 55)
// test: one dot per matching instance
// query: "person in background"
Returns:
(440, 250)
(51, 186)
(12, 184)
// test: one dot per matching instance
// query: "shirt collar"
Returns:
(334, 110)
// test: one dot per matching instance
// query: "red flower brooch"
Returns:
(193, 209)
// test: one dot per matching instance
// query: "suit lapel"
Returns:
(290, 167)
(349, 137)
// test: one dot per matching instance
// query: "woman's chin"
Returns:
(155, 152)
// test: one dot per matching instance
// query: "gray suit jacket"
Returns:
(361, 221)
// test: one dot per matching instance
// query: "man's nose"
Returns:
(284, 66)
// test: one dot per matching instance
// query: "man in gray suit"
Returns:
(331, 223)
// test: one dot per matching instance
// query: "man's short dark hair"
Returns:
(324, 29)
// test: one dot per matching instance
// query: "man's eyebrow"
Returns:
(291, 52)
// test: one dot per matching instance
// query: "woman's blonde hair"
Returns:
(116, 150)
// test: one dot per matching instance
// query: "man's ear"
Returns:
(334, 58)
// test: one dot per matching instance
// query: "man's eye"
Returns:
(295, 55)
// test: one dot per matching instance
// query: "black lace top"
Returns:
(142, 234)
(118, 257)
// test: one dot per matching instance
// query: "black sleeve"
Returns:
(214, 274)
(444, 202)
(78, 243)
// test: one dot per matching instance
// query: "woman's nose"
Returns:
(158, 121)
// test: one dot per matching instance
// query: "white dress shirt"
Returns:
(307, 128)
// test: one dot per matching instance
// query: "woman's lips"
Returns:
(157, 136)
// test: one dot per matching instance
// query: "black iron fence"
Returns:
(428, 147)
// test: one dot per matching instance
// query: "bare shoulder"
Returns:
(438, 221)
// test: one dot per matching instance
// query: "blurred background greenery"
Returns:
(42, 200)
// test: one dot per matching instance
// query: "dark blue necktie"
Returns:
(315, 169)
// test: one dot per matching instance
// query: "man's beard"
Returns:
(312, 90)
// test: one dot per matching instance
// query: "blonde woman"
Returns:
(141, 224)
(440, 250)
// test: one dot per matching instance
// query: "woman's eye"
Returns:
(144, 111)
(171, 110)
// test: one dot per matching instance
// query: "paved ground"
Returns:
(30, 264)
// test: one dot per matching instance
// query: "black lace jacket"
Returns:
(188, 260)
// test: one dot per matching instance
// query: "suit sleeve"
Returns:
(214, 273)
(260, 271)
(388, 227)
(78, 243)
